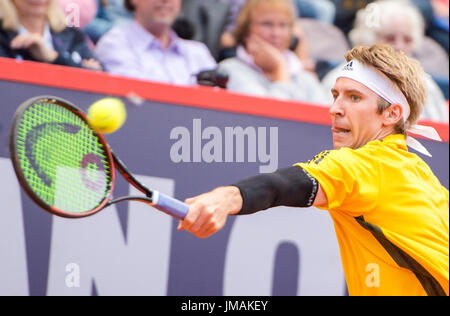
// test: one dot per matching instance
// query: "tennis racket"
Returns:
(67, 167)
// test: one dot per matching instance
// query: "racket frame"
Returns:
(162, 202)
(16, 163)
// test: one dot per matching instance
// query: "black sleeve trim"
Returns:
(291, 186)
(431, 286)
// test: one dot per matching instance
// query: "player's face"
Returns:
(355, 120)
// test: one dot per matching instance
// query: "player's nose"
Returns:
(336, 108)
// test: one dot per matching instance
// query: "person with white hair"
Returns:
(397, 23)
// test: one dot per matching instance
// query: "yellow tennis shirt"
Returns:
(390, 214)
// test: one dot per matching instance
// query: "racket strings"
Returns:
(52, 145)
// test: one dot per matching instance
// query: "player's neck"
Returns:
(383, 133)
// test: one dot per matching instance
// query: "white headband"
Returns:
(384, 88)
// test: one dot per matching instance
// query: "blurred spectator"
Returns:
(233, 12)
(79, 13)
(227, 40)
(116, 11)
(440, 31)
(95, 17)
(147, 48)
(441, 14)
(346, 11)
(300, 46)
(436, 14)
(322, 10)
(397, 23)
(110, 13)
(326, 43)
(207, 18)
(36, 30)
(299, 41)
(264, 65)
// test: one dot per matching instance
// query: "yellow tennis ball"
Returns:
(107, 115)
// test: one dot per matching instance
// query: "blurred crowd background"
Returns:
(286, 49)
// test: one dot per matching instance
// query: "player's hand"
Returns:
(208, 212)
(36, 46)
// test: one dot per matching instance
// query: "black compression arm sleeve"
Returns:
(291, 186)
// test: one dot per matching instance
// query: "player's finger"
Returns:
(190, 200)
(181, 222)
(209, 230)
(192, 215)
(203, 221)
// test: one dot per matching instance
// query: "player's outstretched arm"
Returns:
(289, 187)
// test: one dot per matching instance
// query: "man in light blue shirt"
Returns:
(148, 49)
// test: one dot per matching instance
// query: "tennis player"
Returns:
(390, 212)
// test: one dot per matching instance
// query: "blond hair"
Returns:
(245, 15)
(10, 20)
(404, 72)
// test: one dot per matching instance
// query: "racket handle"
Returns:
(170, 205)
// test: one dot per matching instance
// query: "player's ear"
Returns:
(392, 114)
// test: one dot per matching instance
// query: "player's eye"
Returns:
(355, 98)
